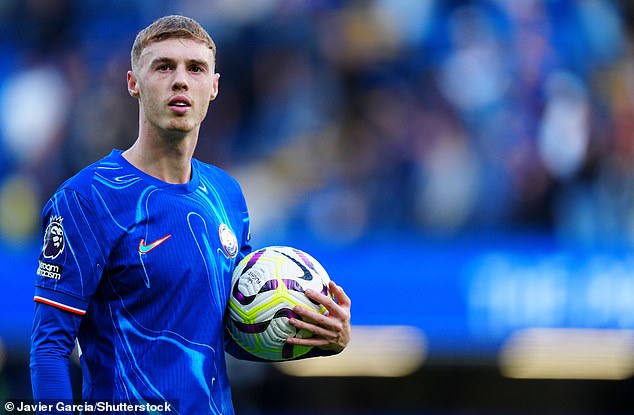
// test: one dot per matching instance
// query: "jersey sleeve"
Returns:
(73, 253)
(52, 342)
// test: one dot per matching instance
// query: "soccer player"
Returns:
(139, 248)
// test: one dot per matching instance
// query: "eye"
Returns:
(163, 67)
(196, 68)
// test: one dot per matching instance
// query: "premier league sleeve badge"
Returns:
(54, 239)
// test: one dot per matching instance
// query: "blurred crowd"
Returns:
(342, 118)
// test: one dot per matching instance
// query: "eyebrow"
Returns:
(161, 60)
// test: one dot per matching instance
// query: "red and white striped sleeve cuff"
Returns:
(60, 300)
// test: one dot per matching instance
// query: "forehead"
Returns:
(177, 49)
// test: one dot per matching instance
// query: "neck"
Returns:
(165, 158)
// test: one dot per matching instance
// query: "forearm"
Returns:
(50, 378)
(52, 342)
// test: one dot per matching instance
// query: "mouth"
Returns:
(179, 104)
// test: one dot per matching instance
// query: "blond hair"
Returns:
(174, 26)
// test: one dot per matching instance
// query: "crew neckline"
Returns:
(175, 188)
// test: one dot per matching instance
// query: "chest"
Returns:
(172, 245)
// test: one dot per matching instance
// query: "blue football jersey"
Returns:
(148, 267)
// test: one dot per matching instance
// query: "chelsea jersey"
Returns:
(147, 266)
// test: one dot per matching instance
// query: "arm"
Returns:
(70, 264)
(331, 331)
(52, 342)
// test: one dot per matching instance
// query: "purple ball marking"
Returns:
(293, 285)
(256, 256)
(287, 351)
(260, 327)
(302, 255)
(248, 299)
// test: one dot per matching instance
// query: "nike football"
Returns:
(266, 285)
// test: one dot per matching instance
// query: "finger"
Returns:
(316, 330)
(326, 301)
(342, 298)
(317, 296)
(319, 319)
(333, 341)
(339, 309)
(309, 341)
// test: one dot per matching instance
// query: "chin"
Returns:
(181, 127)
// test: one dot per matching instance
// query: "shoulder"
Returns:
(215, 174)
(223, 186)
(82, 184)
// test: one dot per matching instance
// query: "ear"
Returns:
(133, 89)
(214, 87)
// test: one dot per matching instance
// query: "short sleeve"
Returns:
(73, 253)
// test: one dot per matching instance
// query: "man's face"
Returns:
(175, 82)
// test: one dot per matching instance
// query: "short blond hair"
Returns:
(173, 26)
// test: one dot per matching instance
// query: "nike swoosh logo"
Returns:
(308, 276)
(144, 249)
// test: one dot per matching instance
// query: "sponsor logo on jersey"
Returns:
(228, 240)
(54, 238)
(145, 248)
(48, 270)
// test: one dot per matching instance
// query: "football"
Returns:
(265, 287)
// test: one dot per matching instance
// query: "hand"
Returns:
(331, 331)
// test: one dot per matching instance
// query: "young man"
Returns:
(139, 248)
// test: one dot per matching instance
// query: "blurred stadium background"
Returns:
(465, 169)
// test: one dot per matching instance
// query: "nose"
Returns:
(180, 81)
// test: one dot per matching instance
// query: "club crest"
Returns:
(228, 240)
